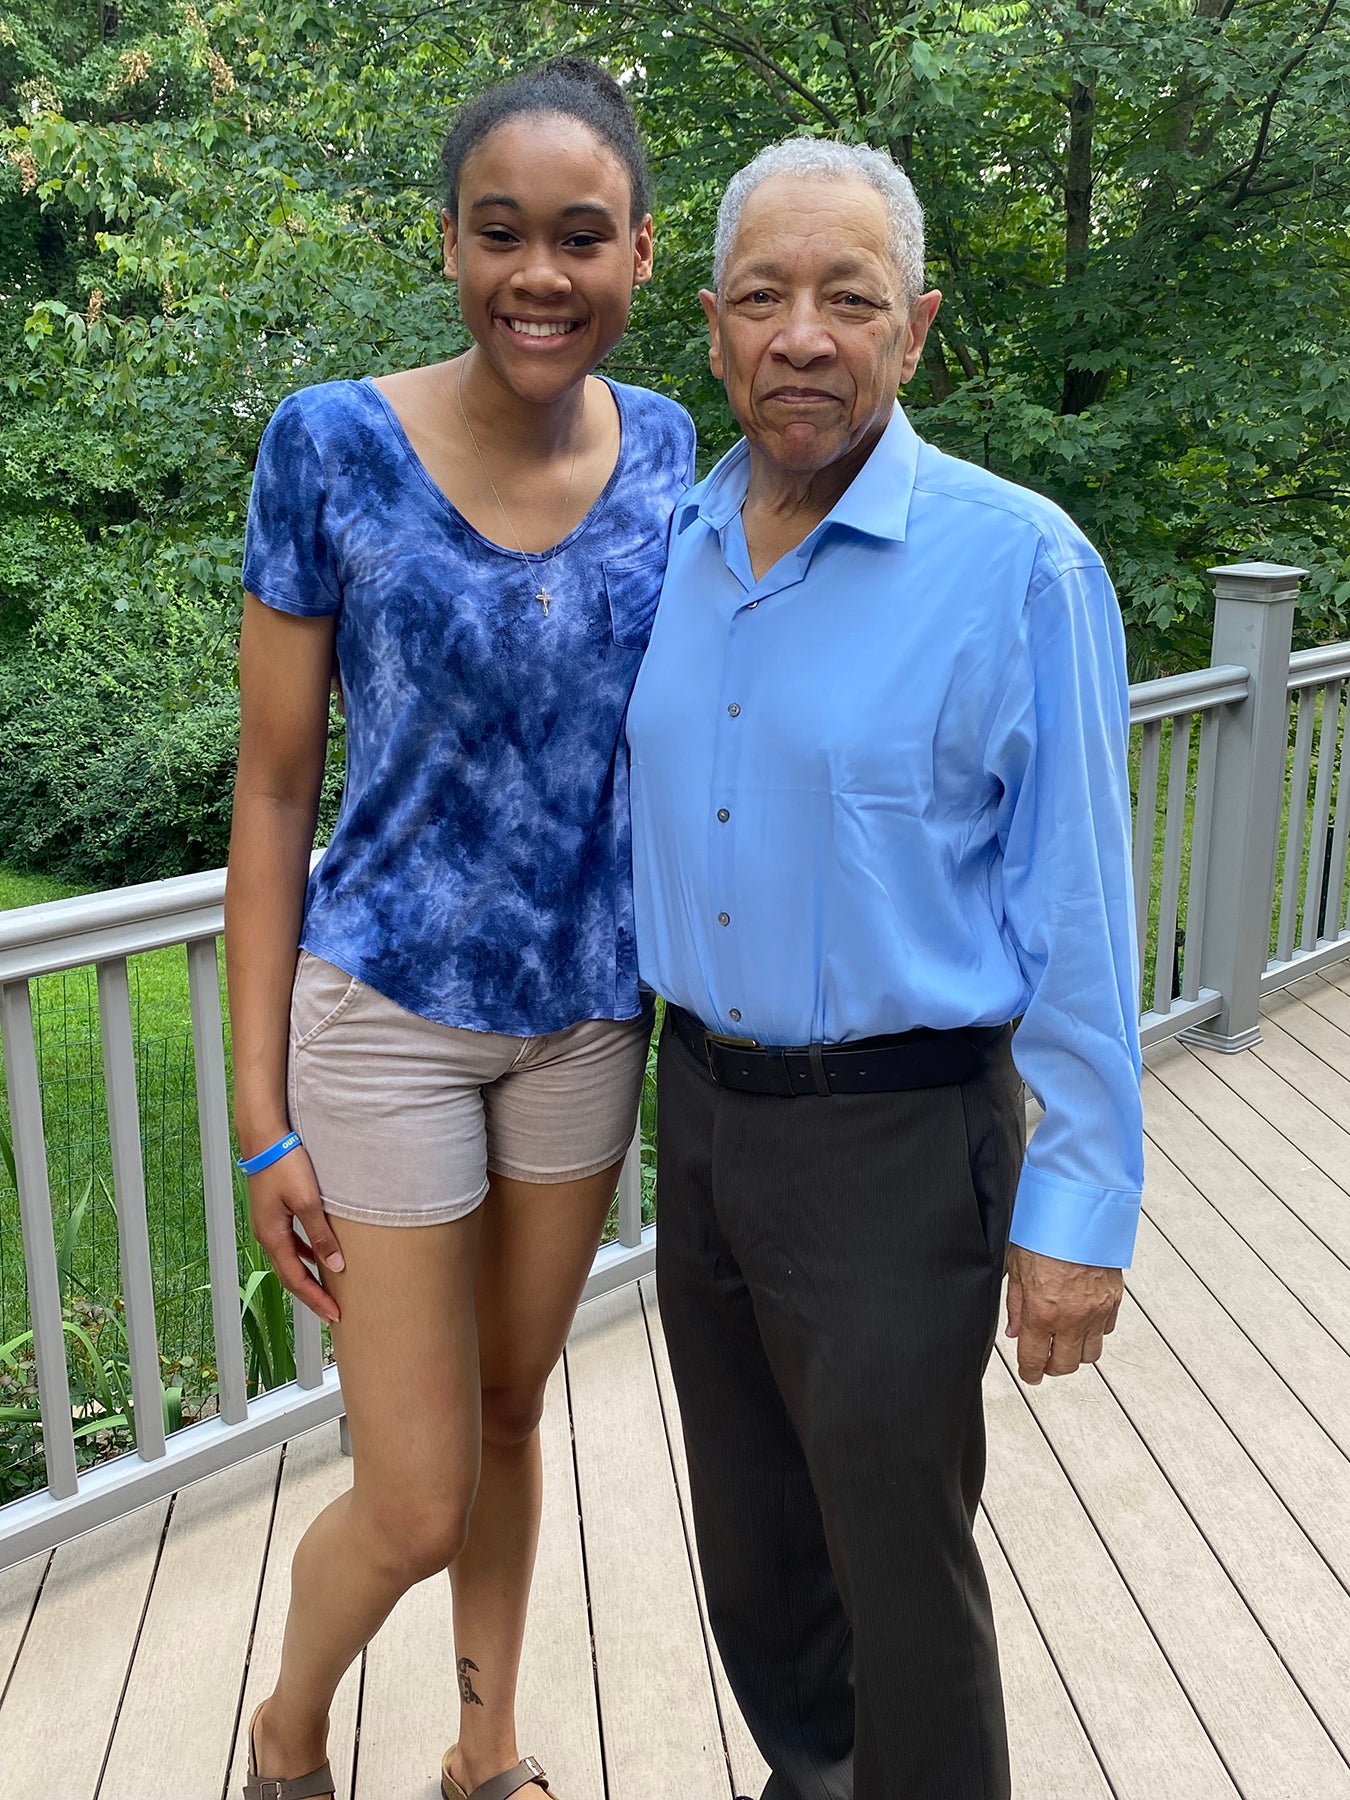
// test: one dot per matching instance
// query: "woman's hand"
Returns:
(280, 1198)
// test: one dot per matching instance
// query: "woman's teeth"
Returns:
(528, 328)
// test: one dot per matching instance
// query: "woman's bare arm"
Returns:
(285, 668)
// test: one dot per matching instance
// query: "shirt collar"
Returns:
(876, 501)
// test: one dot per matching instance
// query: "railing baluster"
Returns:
(1201, 826)
(308, 1345)
(1292, 877)
(630, 1195)
(1145, 826)
(1174, 837)
(1340, 841)
(39, 1243)
(133, 1232)
(222, 1244)
(1321, 816)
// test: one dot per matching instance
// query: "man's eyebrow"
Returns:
(837, 271)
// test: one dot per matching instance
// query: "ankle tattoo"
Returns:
(466, 1692)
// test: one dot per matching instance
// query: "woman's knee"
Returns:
(414, 1536)
(511, 1415)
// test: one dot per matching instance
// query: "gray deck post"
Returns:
(1253, 626)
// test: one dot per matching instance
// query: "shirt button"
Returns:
(753, 604)
(734, 710)
(734, 1015)
(724, 918)
(723, 815)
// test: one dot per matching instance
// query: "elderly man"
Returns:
(880, 813)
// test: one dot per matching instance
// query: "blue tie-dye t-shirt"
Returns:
(479, 872)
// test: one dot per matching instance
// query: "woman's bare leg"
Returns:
(536, 1252)
(407, 1349)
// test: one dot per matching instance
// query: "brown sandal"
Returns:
(511, 1781)
(314, 1786)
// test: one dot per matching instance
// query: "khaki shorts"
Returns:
(404, 1118)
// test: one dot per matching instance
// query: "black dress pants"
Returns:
(829, 1272)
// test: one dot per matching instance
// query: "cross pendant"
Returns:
(543, 597)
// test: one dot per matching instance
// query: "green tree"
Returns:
(1137, 215)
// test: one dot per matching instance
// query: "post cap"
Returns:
(1256, 581)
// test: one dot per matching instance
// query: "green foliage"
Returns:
(118, 739)
(102, 1411)
(1137, 215)
(269, 1336)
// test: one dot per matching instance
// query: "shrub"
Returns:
(118, 742)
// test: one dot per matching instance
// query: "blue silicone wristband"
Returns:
(274, 1153)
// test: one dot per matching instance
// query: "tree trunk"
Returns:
(1082, 387)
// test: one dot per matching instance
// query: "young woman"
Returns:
(461, 1044)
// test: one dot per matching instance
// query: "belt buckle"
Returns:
(732, 1043)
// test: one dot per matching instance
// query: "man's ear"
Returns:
(450, 245)
(709, 302)
(921, 316)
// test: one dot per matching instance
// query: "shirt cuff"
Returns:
(1075, 1221)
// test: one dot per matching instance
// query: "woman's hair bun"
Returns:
(570, 85)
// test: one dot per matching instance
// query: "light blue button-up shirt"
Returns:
(885, 786)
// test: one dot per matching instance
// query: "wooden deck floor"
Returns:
(1168, 1540)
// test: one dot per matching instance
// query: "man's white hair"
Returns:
(820, 159)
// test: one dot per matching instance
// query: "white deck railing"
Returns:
(1234, 798)
(102, 930)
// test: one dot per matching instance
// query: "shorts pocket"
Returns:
(320, 996)
(633, 587)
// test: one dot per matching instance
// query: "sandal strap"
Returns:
(300, 1787)
(511, 1781)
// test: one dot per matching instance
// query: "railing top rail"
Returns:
(26, 926)
(89, 928)
(1328, 662)
(1196, 690)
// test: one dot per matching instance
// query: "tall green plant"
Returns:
(265, 1307)
(98, 1362)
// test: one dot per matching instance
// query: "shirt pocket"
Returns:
(633, 587)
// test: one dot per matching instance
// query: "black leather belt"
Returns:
(876, 1065)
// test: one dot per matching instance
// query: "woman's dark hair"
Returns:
(570, 86)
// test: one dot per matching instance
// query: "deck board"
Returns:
(557, 1702)
(19, 1588)
(1050, 1753)
(312, 1474)
(1227, 1123)
(662, 1732)
(181, 1703)
(1293, 1595)
(1142, 1725)
(1276, 1320)
(1326, 997)
(1273, 1744)
(1293, 1451)
(748, 1768)
(76, 1656)
(1275, 1093)
(1292, 1251)
(1167, 1539)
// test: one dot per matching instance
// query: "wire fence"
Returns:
(70, 1057)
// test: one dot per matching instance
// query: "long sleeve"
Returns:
(1059, 747)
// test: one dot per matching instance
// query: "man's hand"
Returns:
(1058, 1312)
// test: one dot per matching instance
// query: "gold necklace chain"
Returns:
(543, 596)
